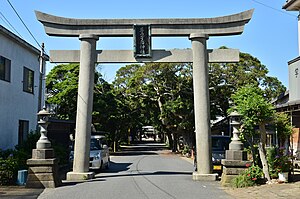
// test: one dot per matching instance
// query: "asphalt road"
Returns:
(141, 171)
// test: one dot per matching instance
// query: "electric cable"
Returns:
(274, 8)
(6, 21)
(16, 12)
(24, 24)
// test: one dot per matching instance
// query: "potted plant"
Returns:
(282, 164)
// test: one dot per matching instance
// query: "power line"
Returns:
(28, 29)
(278, 10)
(24, 24)
(6, 21)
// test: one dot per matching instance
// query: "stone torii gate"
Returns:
(198, 30)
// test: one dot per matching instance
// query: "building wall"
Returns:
(15, 104)
(294, 80)
(295, 142)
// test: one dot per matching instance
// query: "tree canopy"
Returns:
(157, 94)
(225, 79)
(250, 102)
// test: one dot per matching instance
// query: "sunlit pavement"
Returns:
(142, 171)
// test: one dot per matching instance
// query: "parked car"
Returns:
(219, 145)
(99, 153)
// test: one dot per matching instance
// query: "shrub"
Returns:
(250, 177)
(271, 154)
(279, 161)
(13, 160)
(242, 181)
(8, 170)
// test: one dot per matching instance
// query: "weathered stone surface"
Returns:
(235, 163)
(84, 103)
(201, 104)
(217, 26)
(42, 153)
(41, 169)
(42, 173)
(232, 170)
(204, 177)
(236, 155)
(162, 56)
(41, 162)
(73, 176)
(40, 177)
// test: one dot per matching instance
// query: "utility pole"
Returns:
(41, 99)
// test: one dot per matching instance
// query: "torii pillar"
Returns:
(201, 108)
(84, 108)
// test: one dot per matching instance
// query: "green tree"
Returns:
(62, 89)
(162, 94)
(226, 79)
(283, 127)
(109, 113)
(250, 102)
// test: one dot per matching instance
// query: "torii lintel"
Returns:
(217, 26)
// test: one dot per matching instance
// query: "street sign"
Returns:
(142, 41)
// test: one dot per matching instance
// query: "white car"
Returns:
(99, 153)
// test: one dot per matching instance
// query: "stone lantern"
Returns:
(235, 122)
(43, 166)
(236, 159)
(43, 121)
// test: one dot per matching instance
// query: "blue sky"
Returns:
(271, 35)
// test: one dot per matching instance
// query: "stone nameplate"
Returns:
(142, 41)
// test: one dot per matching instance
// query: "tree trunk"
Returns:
(253, 151)
(262, 151)
(175, 148)
(170, 139)
(164, 124)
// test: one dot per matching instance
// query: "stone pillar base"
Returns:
(236, 155)
(205, 177)
(42, 153)
(74, 176)
(231, 169)
(42, 173)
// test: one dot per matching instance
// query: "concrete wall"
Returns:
(15, 104)
(294, 80)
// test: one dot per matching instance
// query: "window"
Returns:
(23, 131)
(5, 65)
(28, 80)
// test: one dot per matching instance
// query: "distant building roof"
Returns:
(20, 41)
(289, 106)
(281, 99)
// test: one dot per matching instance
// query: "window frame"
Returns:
(6, 76)
(28, 82)
(23, 131)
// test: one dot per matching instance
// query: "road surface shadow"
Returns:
(142, 148)
(114, 168)
(133, 153)
(156, 173)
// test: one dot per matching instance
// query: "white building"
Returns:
(293, 105)
(19, 88)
